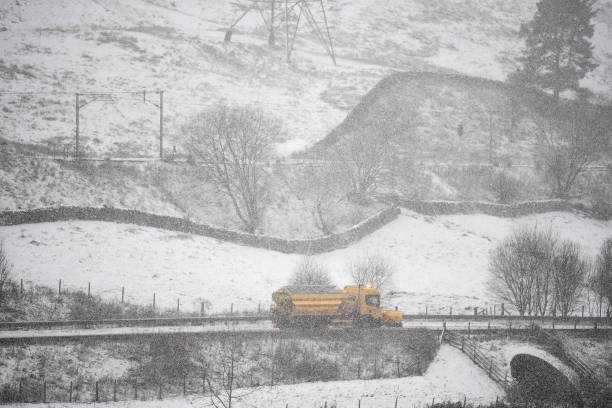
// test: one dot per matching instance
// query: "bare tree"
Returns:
(234, 143)
(569, 274)
(570, 146)
(371, 269)
(521, 267)
(602, 278)
(505, 187)
(322, 185)
(310, 273)
(319, 185)
(233, 368)
(5, 271)
(363, 156)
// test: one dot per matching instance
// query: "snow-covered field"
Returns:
(439, 261)
(451, 376)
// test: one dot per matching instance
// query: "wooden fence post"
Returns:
(97, 395)
(88, 289)
(178, 306)
(396, 397)
(469, 329)
(20, 394)
(135, 390)
(462, 342)
(359, 370)
(503, 309)
(115, 391)
(232, 308)
(70, 393)
(122, 294)
(184, 384)
(204, 383)
(202, 309)
(397, 366)
(153, 300)
(160, 391)
(451, 310)
(375, 367)
(21, 286)
(44, 393)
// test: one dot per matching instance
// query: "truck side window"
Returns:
(373, 300)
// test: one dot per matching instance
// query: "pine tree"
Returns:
(558, 48)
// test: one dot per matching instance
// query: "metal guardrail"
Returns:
(530, 319)
(142, 322)
(230, 318)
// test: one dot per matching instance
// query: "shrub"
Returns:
(310, 273)
(505, 187)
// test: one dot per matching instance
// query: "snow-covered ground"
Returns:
(596, 352)
(451, 376)
(440, 262)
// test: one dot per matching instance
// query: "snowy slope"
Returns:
(440, 262)
(67, 46)
(450, 377)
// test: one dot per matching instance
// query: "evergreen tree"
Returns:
(558, 48)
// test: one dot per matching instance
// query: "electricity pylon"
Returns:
(288, 13)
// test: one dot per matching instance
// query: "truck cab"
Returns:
(367, 310)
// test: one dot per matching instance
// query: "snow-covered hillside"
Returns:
(439, 261)
(67, 46)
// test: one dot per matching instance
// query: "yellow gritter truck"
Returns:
(311, 306)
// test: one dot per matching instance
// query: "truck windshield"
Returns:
(373, 300)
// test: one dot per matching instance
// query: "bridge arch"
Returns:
(540, 376)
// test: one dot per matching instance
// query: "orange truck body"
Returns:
(324, 306)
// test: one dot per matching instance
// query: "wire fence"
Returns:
(159, 379)
(85, 304)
